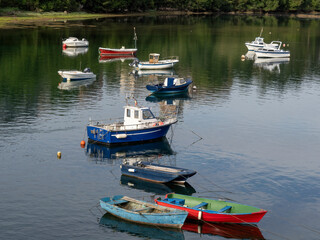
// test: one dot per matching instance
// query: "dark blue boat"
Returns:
(171, 85)
(139, 125)
(156, 173)
(142, 212)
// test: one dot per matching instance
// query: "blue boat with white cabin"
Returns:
(171, 85)
(142, 212)
(139, 125)
(155, 172)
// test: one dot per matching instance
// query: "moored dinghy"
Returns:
(75, 42)
(171, 85)
(155, 63)
(210, 210)
(155, 172)
(143, 212)
(75, 75)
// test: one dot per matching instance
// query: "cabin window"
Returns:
(128, 112)
(147, 114)
(136, 114)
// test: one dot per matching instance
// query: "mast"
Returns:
(135, 38)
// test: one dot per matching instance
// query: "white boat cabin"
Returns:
(170, 81)
(154, 57)
(134, 115)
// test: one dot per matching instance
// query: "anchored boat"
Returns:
(139, 125)
(171, 85)
(272, 52)
(155, 63)
(75, 75)
(143, 212)
(155, 172)
(75, 42)
(210, 210)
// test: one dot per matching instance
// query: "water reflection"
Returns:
(122, 58)
(73, 52)
(101, 153)
(154, 72)
(75, 84)
(270, 64)
(157, 188)
(234, 231)
(169, 99)
(143, 231)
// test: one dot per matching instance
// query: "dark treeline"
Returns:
(118, 6)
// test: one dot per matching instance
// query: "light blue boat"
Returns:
(142, 212)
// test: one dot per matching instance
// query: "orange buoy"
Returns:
(59, 155)
(82, 143)
(160, 123)
(64, 46)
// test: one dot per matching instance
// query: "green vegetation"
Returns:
(121, 6)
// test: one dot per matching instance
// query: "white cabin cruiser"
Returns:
(270, 51)
(258, 43)
(75, 42)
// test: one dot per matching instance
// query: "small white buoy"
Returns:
(59, 155)
(288, 45)
(243, 57)
(194, 87)
(269, 32)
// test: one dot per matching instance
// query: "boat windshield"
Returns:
(147, 114)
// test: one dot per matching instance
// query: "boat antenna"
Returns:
(135, 38)
(261, 32)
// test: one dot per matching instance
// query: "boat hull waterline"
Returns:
(118, 52)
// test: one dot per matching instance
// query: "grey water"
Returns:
(251, 129)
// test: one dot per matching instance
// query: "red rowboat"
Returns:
(117, 51)
(210, 210)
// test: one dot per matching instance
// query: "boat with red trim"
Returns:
(209, 210)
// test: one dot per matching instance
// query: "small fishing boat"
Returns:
(118, 51)
(210, 210)
(139, 125)
(155, 63)
(155, 173)
(75, 75)
(142, 212)
(171, 85)
(75, 42)
(272, 52)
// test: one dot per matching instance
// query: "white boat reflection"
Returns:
(155, 72)
(71, 85)
(73, 52)
(270, 64)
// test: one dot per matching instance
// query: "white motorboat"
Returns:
(270, 51)
(257, 44)
(75, 42)
(155, 63)
(75, 75)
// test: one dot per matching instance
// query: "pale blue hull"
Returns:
(174, 219)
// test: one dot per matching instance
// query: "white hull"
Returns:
(75, 75)
(274, 54)
(162, 64)
(74, 42)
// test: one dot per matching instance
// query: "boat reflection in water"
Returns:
(153, 72)
(169, 99)
(142, 231)
(114, 58)
(99, 152)
(71, 85)
(270, 64)
(157, 188)
(74, 51)
(234, 231)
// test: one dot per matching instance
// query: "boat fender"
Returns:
(131, 170)
(199, 215)
(155, 124)
(160, 123)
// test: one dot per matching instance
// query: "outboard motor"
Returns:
(87, 70)
(134, 63)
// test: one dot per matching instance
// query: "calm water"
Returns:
(251, 129)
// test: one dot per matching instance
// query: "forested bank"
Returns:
(121, 6)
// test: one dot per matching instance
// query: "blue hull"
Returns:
(159, 89)
(157, 176)
(74, 79)
(173, 218)
(102, 136)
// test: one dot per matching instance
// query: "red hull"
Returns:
(218, 217)
(224, 230)
(118, 52)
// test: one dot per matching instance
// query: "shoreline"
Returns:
(19, 19)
